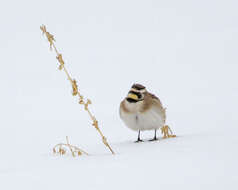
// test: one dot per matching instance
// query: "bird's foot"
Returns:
(154, 139)
(167, 132)
(139, 140)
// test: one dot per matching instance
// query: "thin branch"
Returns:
(73, 82)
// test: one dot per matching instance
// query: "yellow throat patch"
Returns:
(133, 96)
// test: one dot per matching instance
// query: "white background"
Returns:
(183, 51)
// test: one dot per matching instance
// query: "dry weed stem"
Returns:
(75, 90)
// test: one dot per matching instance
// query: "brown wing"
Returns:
(155, 99)
(152, 100)
(152, 96)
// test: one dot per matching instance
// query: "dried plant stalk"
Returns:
(61, 149)
(167, 132)
(73, 82)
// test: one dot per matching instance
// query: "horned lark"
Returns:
(141, 110)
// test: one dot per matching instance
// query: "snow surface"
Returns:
(183, 51)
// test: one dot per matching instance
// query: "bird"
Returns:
(141, 110)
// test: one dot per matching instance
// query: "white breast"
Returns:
(135, 120)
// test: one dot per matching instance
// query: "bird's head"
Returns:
(136, 93)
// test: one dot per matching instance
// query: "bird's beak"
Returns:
(133, 96)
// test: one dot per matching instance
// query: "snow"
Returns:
(183, 51)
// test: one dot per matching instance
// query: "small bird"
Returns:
(141, 111)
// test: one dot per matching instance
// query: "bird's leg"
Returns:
(138, 139)
(155, 138)
(167, 132)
